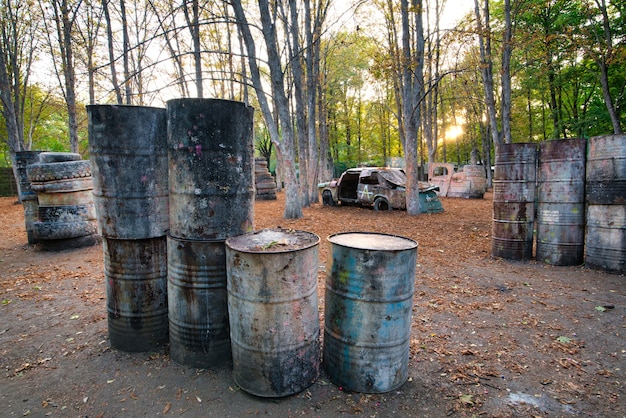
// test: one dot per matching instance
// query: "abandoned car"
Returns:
(470, 182)
(378, 187)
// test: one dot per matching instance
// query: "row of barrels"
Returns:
(566, 194)
(174, 193)
(231, 294)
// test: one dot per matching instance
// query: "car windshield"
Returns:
(396, 177)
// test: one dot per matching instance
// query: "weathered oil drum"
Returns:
(27, 195)
(198, 303)
(561, 202)
(367, 310)
(514, 201)
(211, 165)
(605, 242)
(478, 180)
(136, 284)
(273, 310)
(128, 151)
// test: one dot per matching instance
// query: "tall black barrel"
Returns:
(514, 200)
(211, 193)
(211, 168)
(606, 204)
(127, 146)
(561, 202)
(129, 157)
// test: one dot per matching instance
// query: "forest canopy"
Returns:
(334, 84)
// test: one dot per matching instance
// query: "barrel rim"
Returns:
(194, 240)
(205, 100)
(115, 106)
(414, 244)
(231, 242)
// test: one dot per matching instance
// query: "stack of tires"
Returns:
(264, 184)
(66, 214)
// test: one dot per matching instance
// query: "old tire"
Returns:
(381, 204)
(327, 198)
(63, 230)
(59, 171)
(57, 157)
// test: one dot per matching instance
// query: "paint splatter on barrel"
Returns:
(197, 303)
(561, 202)
(273, 310)
(211, 168)
(514, 201)
(368, 305)
(605, 242)
(127, 146)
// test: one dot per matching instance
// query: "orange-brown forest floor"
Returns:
(489, 337)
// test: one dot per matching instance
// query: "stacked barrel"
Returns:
(129, 157)
(211, 194)
(65, 213)
(578, 189)
(606, 204)
(514, 200)
(561, 202)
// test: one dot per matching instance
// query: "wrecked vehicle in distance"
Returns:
(470, 182)
(379, 187)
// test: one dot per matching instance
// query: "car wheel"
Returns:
(327, 198)
(381, 204)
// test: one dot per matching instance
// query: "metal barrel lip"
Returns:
(334, 239)
(236, 243)
(115, 105)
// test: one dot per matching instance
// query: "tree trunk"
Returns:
(194, 29)
(484, 43)
(285, 146)
(412, 95)
(507, 47)
(116, 85)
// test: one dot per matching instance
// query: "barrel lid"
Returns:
(372, 241)
(277, 240)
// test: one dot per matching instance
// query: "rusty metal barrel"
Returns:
(211, 165)
(367, 310)
(477, 177)
(198, 307)
(136, 284)
(127, 146)
(27, 195)
(605, 242)
(273, 310)
(561, 202)
(514, 201)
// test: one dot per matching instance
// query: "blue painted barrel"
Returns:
(136, 284)
(367, 310)
(514, 201)
(127, 147)
(605, 242)
(211, 168)
(561, 202)
(273, 310)
(198, 303)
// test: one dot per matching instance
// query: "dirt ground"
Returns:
(489, 338)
